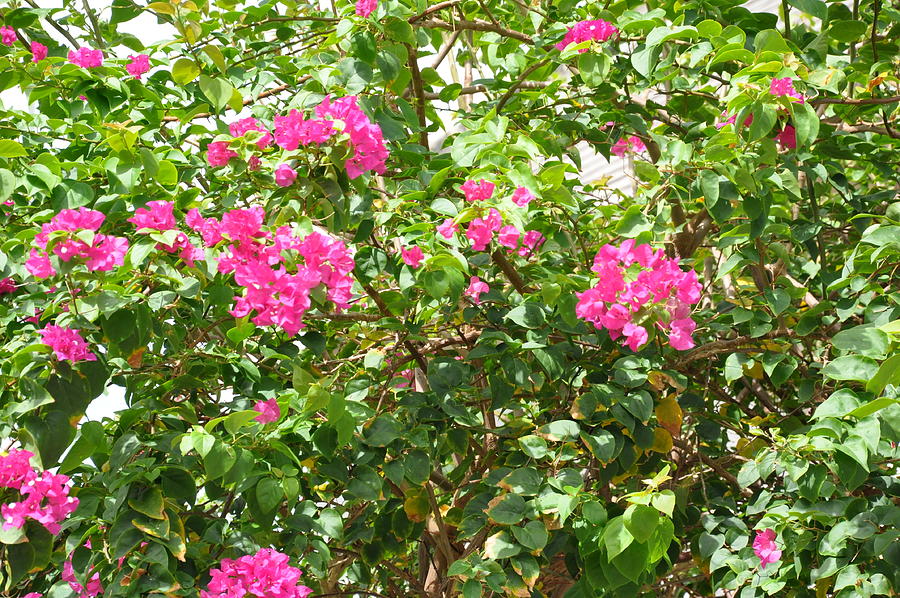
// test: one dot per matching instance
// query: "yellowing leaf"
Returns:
(670, 416)
(416, 506)
(662, 441)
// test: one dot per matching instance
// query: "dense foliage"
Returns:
(370, 322)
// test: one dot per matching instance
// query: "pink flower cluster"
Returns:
(38, 51)
(103, 253)
(257, 258)
(632, 144)
(365, 7)
(369, 151)
(787, 137)
(598, 30)
(93, 588)
(631, 281)
(522, 196)
(481, 232)
(785, 87)
(139, 65)
(477, 191)
(7, 285)
(86, 57)
(412, 256)
(8, 36)
(67, 343)
(448, 228)
(265, 574)
(292, 130)
(160, 216)
(765, 548)
(476, 289)
(46, 495)
(269, 411)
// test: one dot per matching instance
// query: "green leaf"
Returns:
(7, 183)
(851, 367)
(269, 494)
(641, 521)
(148, 501)
(527, 315)
(764, 119)
(382, 431)
(888, 373)
(533, 535)
(816, 8)
(218, 91)
(11, 149)
(865, 340)
(593, 67)
(501, 546)
(602, 445)
(184, 71)
(806, 123)
(525, 481)
(167, 174)
(664, 501)
(507, 509)
(563, 430)
(616, 537)
(534, 446)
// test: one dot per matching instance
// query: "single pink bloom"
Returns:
(7, 285)
(139, 65)
(8, 36)
(448, 228)
(785, 87)
(509, 236)
(86, 57)
(632, 144)
(597, 30)
(636, 335)
(242, 126)
(365, 7)
(476, 289)
(476, 191)
(412, 257)
(269, 411)
(787, 137)
(765, 549)
(218, 154)
(158, 215)
(67, 343)
(530, 242)
(522, 196)
(408, 378)
(38, 51)
(285, 175)
(680, 334)
(38, 264)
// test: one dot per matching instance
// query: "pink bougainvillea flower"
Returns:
(476, 289)
(93, 588)
(242, 126)
(632, 144)
(105, 252)
(412, 256)
(785, 87)
(269, 411)
(86, 57)
(15, 469)
(530, 242)
(509, 236)
(625, 293)
(369, 150)
(38, 51)
(7, 285)
(45, 499)
(265, 574)
(477, 191)
(8, 36)
(447, 228)
(292, 130)
(285, 175)
(522, 196)
(408, 378)
(38, 264)
(765, 549)
(365, 7)
(67, 343)
(598, 30)
(787, 137)
(218, 154)
(730, 120)
(481, 230)
(139, 65)
(33, 595)
(158, 215)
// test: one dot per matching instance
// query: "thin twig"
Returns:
(476, 25)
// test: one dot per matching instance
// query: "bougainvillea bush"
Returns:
(373, 331)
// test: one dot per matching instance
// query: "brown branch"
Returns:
(445, 49)
(851, 102)
(476, 25)
(860, 127)
(727, 346)
(383, 307)
(247, 102)
(519, 82)
(345, 317)
(431, 9)
(419, 90)
(510, 272)
(56, 26)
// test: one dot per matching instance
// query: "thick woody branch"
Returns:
(851, 102)
(510, 272)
